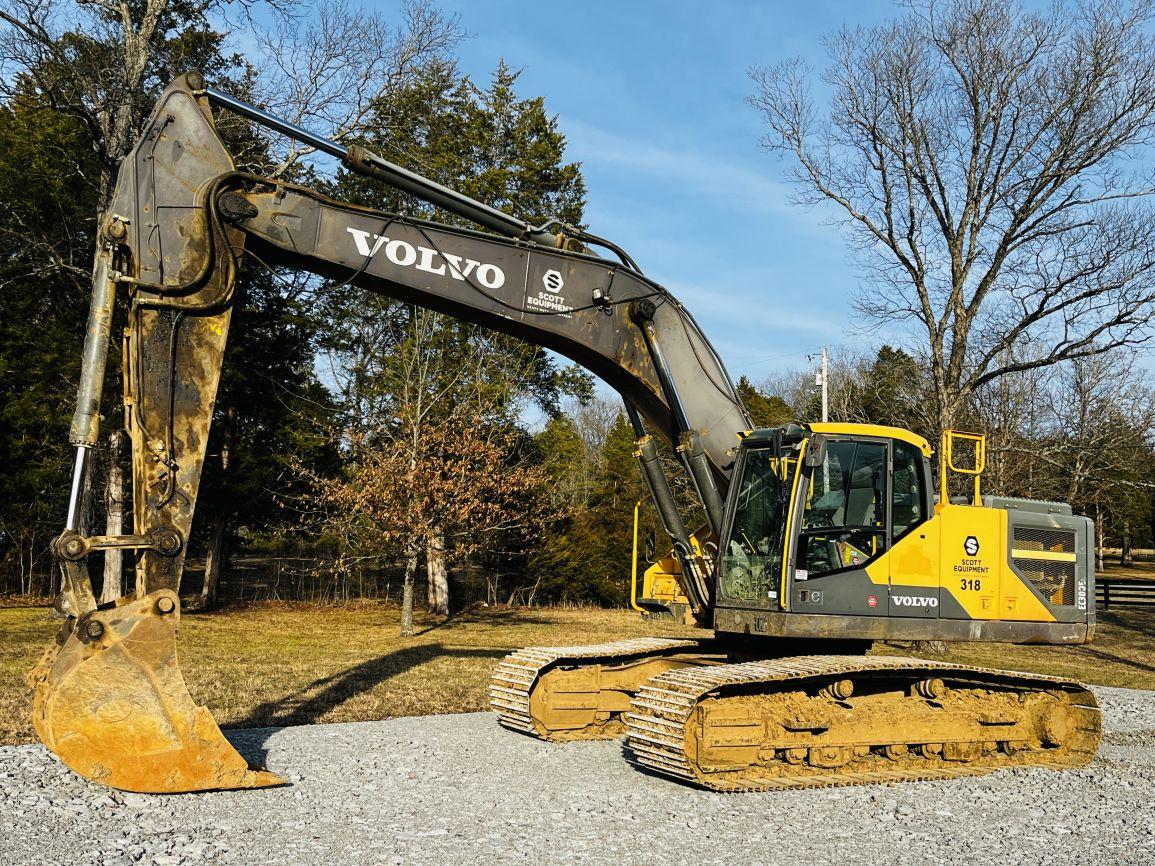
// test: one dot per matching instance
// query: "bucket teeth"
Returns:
(110, 701)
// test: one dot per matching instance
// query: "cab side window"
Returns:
(908, 500)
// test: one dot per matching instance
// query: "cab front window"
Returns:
(752, 556)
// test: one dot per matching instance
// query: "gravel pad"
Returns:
(460, 790)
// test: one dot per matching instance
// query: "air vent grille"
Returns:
(1055, 580)
(1052, 540)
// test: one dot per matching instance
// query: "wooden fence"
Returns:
(297, 579)
(1120, 592)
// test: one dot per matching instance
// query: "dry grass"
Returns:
(280, 664)
(1139, 570)
(277, 664)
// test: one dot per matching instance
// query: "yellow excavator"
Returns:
(820, 538)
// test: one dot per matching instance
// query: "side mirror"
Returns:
(815, 451)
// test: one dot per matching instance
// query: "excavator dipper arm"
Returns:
(109, 696)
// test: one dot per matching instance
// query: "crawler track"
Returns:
(512, 684)
(823, 721)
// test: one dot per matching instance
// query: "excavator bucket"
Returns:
(111, 702)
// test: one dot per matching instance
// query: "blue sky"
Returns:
(651, 97)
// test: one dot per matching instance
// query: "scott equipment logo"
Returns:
(405, 255)
(552, 281)
(915, 600)
(971, 545)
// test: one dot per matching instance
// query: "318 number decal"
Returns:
(972, 583)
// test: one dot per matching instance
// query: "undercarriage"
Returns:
(688, 711)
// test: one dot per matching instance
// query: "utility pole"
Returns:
(821, 377)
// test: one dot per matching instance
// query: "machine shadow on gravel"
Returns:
(328, 693)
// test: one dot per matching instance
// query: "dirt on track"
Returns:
(460, 790)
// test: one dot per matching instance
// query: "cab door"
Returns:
(913, 566)
(842, 529)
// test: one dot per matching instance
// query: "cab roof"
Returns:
(766, 434)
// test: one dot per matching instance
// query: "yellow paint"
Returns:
(973, 580)
(634, 563)
(933, 555)
(785, 467)
(1017, 602)
(1051, 555)
(947, 464)
(985, 585)
(879, 430)
(661, 581)
(913, 561)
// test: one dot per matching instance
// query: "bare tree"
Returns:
(981, 157)
(327, 69)
(96, 61)
(322, 64)
(883, 387)
(1013, 412)
(433, 474)
(1102, 414)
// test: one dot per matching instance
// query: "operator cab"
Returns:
(834, 529)
(818, 502)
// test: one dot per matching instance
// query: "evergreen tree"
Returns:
(765, 410)
(892, 391)
(55, 169)
(586, 558)
(46, 171)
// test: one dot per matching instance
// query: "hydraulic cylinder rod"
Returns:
(76, 492)
(363, 161)
(694, 455)
(663, 497)
(85, 429)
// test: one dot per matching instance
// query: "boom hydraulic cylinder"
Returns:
(690, 440)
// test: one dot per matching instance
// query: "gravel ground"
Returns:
(459, 790)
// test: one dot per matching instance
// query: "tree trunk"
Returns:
(216, 552)
(215, 559)
(1126, 560)
(1098, 539)
(948, 407)
(437, 573)
(113, 586)
(946, 412)
(407, 593)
